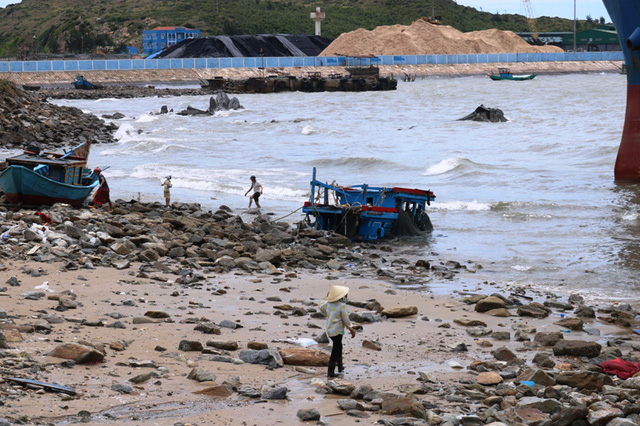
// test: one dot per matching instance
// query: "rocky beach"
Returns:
(182, 316)
(178, 316)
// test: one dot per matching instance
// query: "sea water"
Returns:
(532, 200)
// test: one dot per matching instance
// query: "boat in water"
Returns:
(368, 212)
(625, 15)
(506, 74)
(44, 178)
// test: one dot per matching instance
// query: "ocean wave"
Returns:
(360, 162)
(310, 130)
(461, 205)
(454, 163)
(146, 118)
(230, 182)
(125, 132)
(630, 216)
(521, 268)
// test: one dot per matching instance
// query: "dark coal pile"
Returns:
(248, 46)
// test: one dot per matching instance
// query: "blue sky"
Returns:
(561, 8)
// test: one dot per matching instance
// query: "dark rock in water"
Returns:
(114, 116)
(164, 109)
(193, 111)
(484, 114)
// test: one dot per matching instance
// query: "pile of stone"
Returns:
(28, 120)
(185, 239)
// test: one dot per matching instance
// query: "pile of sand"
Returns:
(423, 38)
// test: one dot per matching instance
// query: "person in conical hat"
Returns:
(335, 309)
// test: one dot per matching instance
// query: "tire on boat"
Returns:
(282, 84)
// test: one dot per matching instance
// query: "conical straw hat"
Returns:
(337, 292)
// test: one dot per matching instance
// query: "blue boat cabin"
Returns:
(368, 212)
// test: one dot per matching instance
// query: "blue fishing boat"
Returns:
(43, 178)
(625, 15)
(82, 83)
(368, 212)
(506, 74)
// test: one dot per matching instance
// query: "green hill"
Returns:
(62, 26)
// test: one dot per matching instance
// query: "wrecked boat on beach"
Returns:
(39, 178)
(368, 212)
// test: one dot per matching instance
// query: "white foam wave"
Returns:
(522, 268)
(146, 118)
(630, 216)
(461, 205)
(107, 100)
(217, 182)
(125, 132)
(309, 130)
(444, 166)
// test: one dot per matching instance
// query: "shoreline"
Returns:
(197, 76)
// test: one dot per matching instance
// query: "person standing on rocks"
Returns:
(257, 191)
(102, 194)
(335, 309)
(167, 193)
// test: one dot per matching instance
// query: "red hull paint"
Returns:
(39, 200)
(628, 161)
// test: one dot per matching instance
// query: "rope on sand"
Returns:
(280, 218)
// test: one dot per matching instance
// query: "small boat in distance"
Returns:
(368, 212)
(43, 178)
(505, 74)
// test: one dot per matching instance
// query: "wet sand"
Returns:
(409, 345)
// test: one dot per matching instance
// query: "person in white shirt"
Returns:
(257, 191)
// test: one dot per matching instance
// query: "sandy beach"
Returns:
(409, 345)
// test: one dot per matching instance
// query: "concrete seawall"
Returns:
(192, 76)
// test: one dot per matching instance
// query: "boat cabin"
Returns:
(63, 168)
(504, 72)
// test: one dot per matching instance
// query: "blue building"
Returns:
(160, 38)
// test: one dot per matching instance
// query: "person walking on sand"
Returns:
(102, 193)
(257, 191)
(335, 309)
(167, 193)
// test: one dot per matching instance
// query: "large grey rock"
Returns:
(546, 405)
(548, 338)
(583, 380)
(270, 357)
(577, 348)
(489, 303)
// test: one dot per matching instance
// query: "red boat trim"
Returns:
(379, 209)
(409, 191)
